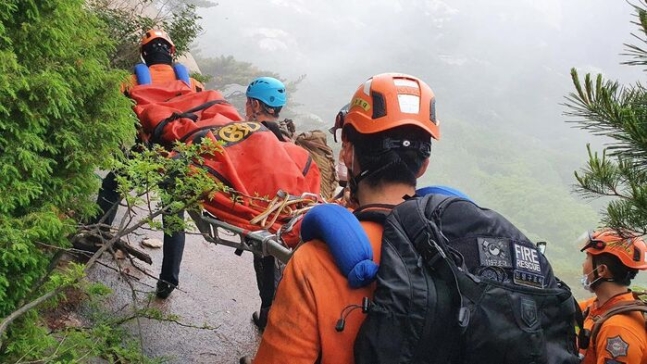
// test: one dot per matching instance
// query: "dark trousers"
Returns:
(265, 279)
(173, 244)
(107, 199)
(173, 251)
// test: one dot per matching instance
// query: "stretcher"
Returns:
(254, 209)
(259, 242)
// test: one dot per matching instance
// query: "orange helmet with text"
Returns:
(153, 34)
(630, 249)
(389, 100)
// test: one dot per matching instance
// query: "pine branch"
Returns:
(604, 108)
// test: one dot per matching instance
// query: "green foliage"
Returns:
(102, 339)
(231, 77)
(618, 113)
(227, 73)
(161, 183)
(28, 340)
(127, 22)
(61, 114)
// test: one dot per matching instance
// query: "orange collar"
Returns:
(595, 310)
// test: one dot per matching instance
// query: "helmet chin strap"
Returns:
(598, 279)
(353, 181)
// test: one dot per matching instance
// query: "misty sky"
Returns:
(463, 49)
(498, 67)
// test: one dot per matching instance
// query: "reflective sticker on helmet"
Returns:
(409, 104)
(367, 87)
(645, 259)
(361, 103)
(432, 111)
(406, 82)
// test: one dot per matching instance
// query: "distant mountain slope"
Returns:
(500, 70)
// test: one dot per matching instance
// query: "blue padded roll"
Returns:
(143, 74)
(346, 239)
(182, 73)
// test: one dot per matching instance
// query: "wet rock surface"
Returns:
(217, 290)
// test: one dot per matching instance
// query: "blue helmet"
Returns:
(269, 90)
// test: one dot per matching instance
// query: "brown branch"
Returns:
(4, 324)
(164, 319)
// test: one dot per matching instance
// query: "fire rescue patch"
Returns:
(527, 268)
(494, 252)
(617, 347)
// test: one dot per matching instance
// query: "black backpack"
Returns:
(460, 284)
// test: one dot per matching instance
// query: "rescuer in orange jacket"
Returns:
(313, 293)
(611, 262)
(157, 50)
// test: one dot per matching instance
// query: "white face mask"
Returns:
(585, 281)
(342, 171)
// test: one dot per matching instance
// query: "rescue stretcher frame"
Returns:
(259, 242)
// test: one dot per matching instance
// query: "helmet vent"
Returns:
(432, 110)
(637, 255)
(379, 106)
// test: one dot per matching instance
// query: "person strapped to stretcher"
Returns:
(266, 182)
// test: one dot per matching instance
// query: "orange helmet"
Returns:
(390, 100)
(631, 250)
(152, 34)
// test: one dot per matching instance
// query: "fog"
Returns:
(501, 68)
(503, 58)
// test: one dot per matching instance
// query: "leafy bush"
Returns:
(61, 115)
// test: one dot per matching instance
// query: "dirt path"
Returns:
(217, 289)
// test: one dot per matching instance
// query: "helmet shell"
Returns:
(390, 100)
(153, 34)
(632, 250)
(269, 90)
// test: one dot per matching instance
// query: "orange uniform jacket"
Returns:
(621, 339)
(160, 73)
(310, 300)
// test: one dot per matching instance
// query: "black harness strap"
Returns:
(189, 114)
(219, 176)
(307, 166)
(617, 309)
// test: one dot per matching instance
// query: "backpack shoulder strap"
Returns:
(182, 73)
(374, 212)
(143, 74)
(416, 217)
(619, 308)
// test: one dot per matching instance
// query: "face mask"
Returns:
(585, 281)
(342, 171)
